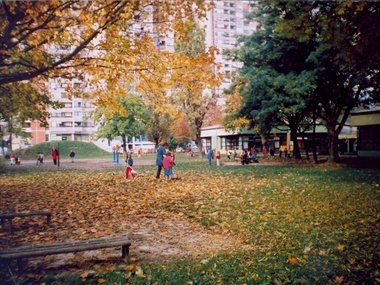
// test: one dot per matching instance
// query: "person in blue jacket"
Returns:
(209, 155)
(161, 151)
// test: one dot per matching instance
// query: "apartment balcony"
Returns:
(72, 130)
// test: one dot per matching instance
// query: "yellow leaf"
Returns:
(140, 272)
(131, 267)
(101, 281)
(322, 252)
(255, 277)
(339, 279)
(292, 260)
(340, 247)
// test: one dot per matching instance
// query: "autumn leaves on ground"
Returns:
(261, 224)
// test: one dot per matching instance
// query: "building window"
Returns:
(66, 124)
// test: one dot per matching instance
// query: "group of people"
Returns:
(164, 160)
(15, 159)
(54, 156)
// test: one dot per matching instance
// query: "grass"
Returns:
(304, 224)
(82, 150)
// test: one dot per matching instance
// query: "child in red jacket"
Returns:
(168, 163)
(129, 169)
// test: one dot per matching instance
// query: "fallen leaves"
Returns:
(301, 217)
(292, 260)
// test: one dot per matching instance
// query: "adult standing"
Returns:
(54, 155)
(72, 155)
(209, 155)
(161, 151)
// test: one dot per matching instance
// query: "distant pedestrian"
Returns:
(13, 159)
(210, 154)
(18, 159)
(72, 156)
(271, 152)
(116, 154)
(217, 156)
(264, 152)
(168, 163)
(54, 155)
(235, 153)
(40, 158)
(229, 154)
(161, 151)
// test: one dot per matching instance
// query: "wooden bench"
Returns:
(21, 252)
(11, 216)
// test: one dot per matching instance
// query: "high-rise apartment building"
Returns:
(226, 20)
(73, 121)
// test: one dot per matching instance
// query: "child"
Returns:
(40, 158)
(168, 163)
(218, 158)
(13, 159)
(129, 169)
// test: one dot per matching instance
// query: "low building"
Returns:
(216, 137)
(368, 123)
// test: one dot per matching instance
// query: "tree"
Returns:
(346, 59)
(55, 38)
(327, 46)
(22, 101)
(129, 122)
(94, 41)
(181, 131)
(193, 93)
(275, 81)
(159, 128)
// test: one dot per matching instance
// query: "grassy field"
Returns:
(82, 150)
(304, 224)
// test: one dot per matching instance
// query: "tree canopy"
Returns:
(309, 56)
(54, 38)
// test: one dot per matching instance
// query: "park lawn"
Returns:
(81, 149)
(303, 224)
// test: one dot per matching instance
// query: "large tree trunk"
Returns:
(199, 144)
(313, 139)
(293, 136)
(332, 137)
(2, 140)
(10, 130)
(124, 143)
(263, 141)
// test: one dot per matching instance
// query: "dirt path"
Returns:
(153, 240)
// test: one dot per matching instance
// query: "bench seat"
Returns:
(66, 247)
(11, 216)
